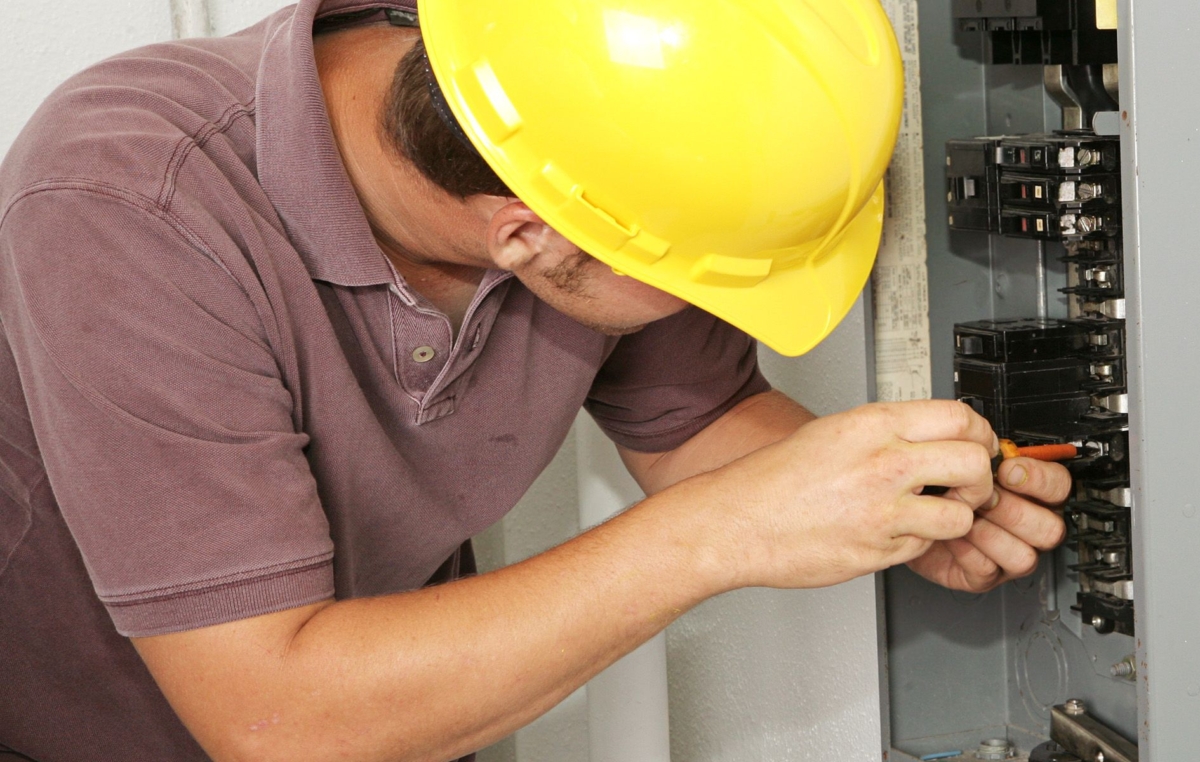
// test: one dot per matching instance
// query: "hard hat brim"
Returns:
(794, 308)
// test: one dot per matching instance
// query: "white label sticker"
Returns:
(900, 283)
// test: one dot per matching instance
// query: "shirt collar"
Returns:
(299, 166)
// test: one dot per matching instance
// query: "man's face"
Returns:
(588, 291)
(561, 274)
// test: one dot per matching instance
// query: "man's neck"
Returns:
(449, 287)
(420, 229)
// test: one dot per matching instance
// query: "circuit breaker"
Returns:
(1028, 272)
(1047, 32)
(1042, 381)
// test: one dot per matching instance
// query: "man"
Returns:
(277, 343)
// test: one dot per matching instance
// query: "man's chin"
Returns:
(614, 330)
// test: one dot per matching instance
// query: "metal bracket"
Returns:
(1082, 92)
(1112, 81)
(1087, 738)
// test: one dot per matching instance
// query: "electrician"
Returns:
(289, 316)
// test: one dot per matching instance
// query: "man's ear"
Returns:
(516, 236)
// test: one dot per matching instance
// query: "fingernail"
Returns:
(995, 445)
(995, 501)
(1017, 476)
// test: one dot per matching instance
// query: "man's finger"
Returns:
(965, 467)
(1048, 483)
(908, 548)
(1014, 556)
(979, 572)
(938, 420)
(933, 518)
(1030, 523)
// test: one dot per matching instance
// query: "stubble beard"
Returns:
(571, 277)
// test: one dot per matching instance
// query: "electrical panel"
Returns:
(1028, 261)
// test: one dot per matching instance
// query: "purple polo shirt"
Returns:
(217, 400)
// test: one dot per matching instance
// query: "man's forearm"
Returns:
(435, 674)
(754, 423)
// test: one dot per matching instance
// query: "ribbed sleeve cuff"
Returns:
(164, 611)
(641, 440)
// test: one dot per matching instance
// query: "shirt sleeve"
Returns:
(667, 382)
(166, 432)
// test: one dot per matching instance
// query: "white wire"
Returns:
(190, 18)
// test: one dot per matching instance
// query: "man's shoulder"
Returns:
(128, 122)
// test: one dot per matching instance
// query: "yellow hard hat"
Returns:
(729, 152)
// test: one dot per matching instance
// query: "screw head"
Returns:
(1075, 707)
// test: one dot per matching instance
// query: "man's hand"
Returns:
(1007, 532)
(812, 504)
(840, 497)
(1005, 538)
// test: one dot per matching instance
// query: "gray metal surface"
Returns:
(971, 275)
(963, 668)
(1161, 141)
(954, 105)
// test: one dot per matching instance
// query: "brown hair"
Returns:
(412, 125)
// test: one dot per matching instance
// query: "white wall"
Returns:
(229, 16)
(42, 43)
(781, 674)
(755, 675)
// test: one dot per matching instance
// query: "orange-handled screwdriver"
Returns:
(1008, 449)
(1050, 452)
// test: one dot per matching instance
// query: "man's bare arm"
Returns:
(1004, 540)
(752, 424)
(434, 674)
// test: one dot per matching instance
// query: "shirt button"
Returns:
(423, 354)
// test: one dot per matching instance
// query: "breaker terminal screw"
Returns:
(1075, 707)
